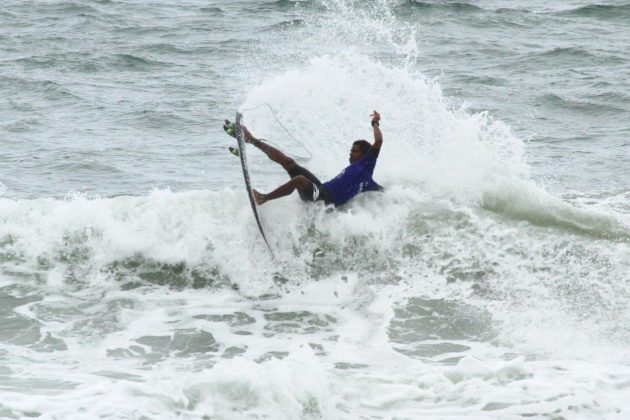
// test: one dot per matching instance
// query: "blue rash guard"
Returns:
(355, 179)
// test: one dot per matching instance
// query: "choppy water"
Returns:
(492, 280)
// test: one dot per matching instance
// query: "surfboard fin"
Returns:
(233, 150)
(230, 128)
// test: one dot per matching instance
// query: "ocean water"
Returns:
(490, 281)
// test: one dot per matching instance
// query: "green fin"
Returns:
(230, 128)
(233, 150)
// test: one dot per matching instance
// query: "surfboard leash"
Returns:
(275, 116)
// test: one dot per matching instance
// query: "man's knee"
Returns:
(301, 182)
(288, 163)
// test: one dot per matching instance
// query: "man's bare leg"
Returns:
(299, 182)
(272, 153)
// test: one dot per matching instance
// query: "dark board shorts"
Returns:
(316, 190)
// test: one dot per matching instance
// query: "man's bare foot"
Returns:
(259, 198)
(247, 136)
(230, 129)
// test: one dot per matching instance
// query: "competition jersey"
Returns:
(355, 179)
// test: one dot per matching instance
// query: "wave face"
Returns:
(485, 280)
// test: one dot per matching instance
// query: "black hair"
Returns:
(364, 145)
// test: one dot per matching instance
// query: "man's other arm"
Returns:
(378, 136)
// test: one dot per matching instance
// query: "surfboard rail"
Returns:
(248, 184)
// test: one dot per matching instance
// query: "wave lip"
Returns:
(133, 62)
(601, 11)
(288, 24)
(587, 107)
(577, 55)
(449, 6)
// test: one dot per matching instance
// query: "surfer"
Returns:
(354, 179)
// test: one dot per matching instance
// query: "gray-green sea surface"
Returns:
(490, 280)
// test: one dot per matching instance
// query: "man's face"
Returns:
(355, 153)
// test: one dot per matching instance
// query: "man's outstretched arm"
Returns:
(378, 136)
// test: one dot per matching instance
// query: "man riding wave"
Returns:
(354, 179)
